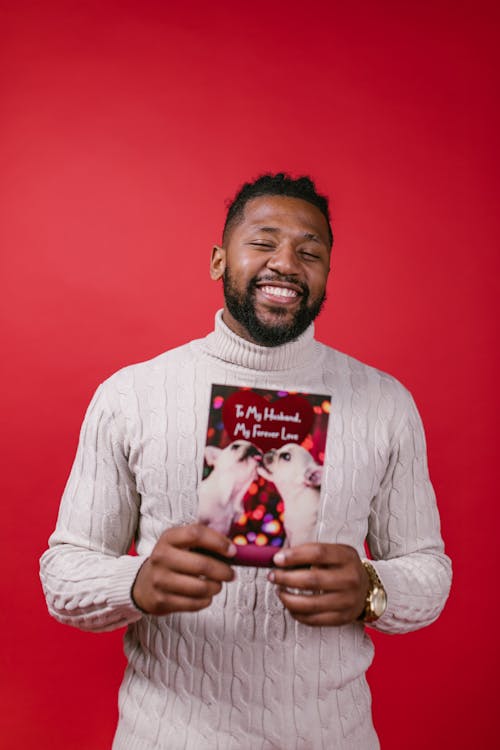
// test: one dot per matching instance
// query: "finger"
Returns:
(199, 535)
(163, 605)
(312, 579)
(314, 553)
(304, 605)
(185, 585)
(311, 611)
(189, 563)
(157, 587)
(324, 619)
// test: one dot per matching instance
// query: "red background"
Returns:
(124, 127)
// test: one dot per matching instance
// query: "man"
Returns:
(264, 658)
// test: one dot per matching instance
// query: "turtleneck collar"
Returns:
(226, 345)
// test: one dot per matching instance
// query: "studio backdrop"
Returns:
(124, 129)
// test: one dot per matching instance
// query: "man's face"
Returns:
(274, 268)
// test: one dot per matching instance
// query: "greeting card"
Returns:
(262, 470)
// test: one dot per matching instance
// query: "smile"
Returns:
(279, 291)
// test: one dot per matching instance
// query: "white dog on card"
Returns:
(297, 478)
(221, 493)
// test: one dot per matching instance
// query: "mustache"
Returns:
(270, 277)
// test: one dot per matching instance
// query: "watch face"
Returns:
(378, 602)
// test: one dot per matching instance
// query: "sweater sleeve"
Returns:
(404, 534)
(87, 573)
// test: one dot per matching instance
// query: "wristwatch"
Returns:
(376, 598)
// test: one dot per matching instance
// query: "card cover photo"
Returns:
(262, 468)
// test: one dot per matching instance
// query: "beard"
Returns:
(241, 305)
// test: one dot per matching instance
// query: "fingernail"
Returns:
(279, 558)
(271, 577)
(231, 550)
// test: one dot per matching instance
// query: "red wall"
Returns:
(124, 128)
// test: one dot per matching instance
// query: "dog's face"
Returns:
(291, 466)
(238, 460)
(221, 493)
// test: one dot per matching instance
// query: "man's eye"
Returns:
(309, 255)
(266, 245)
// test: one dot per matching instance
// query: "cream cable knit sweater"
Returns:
(242, 673)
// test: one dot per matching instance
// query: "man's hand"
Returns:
(331, 590)
(177, 579)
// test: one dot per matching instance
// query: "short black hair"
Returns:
(276, 184)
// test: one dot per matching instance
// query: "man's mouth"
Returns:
(279, 291)
(282, 292)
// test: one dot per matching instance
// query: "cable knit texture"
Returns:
(242, 674)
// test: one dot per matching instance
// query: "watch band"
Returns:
(376, 597)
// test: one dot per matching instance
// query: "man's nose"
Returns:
(284, 259)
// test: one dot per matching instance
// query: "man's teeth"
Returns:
(279, 291)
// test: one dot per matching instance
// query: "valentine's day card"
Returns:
(262, 469)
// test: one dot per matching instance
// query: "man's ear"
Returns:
(217, 262)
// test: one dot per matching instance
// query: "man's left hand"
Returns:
(321, 584)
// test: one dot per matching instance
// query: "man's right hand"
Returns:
(175, 578)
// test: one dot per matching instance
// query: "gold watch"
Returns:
(376, 597)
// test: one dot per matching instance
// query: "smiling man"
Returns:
(270, 658)
(274, 263)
